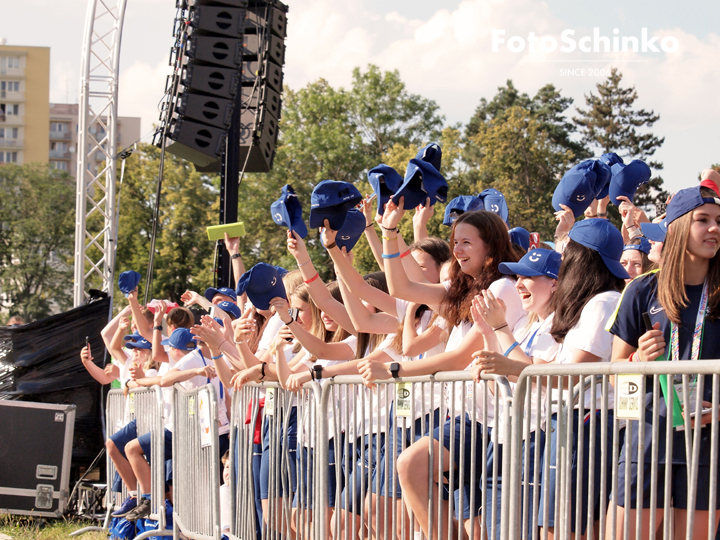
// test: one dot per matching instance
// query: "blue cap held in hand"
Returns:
(580, 185)
(287, 211)
(262, 283)
(536, 262)
(385, 181)
(210, 293)
(655, 231)
(182, 339)
(231, 309)
(521, 237)
(432, 154)
(609, 159)
(494, 201)
(600, 235)
(643, 246)
(351, 231)
(422, 181)
(686, 200)
(331, 200)
(626, 179)
(128, 281)
(459, 205)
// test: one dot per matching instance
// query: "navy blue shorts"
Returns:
(145, 444)
(123, 436)
(306, 467)
(359, 462)
(284, 443)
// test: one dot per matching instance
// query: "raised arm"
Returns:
(370, 232)
(176, 375)
(108, 332)
(423, 214)
(399, 284)
(238, 267)
(319, 292)
(103, 376)
(143, 327)
(414, 344)
(115, 347)
(363, 319)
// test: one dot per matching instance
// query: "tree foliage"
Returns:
(37, 221)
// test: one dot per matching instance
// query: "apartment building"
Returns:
(24, 104)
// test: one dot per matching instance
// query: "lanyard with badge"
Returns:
(674, 355)
(202, 357)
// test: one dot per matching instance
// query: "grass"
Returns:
(28, 528)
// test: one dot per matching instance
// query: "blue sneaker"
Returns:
(128, 506)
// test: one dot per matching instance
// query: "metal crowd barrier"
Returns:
(196, 464)
(115, 408)
(346, 417)
(588, 415)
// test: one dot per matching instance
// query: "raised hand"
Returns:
(296, 246)
(189, 298)
(566, 220)
(423, 213)
(393, 214)
(232, 245)
(327, 234)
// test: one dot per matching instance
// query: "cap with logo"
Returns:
(422, 181)
(626, 179)
(231, 309)
(262, 283)
(686, 200)
(432, 154)
(141, 343)
(210, 292)
(536, 262)
(609, 159)
(135, 336)
(643, 246)
(182, 339)
(600, 235)
(580, 185)
(460, 205)
(494, 201)
(128, 281)
(655, 231)
(521, 237)
(287, 211)
(351, 231)
(331, 200)
(385, 181)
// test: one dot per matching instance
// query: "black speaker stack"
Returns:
(223, 99)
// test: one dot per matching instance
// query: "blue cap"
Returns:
(655, 231)
(422, 180)
(609, 159)
(182, 339)
(432, 154)
(135, 336)
(521, 237)
(141, 343)
(536, 262)
(460, 205)
(600, 235)
(232, 309)
(210, 292)
(494, 201)
(219, 321)
(580, 185)
(287, 212)
(643, 246)
(686, 200)
(331, 200)
(385, 181)
(351, 231)
(128, 281)
(627, 178)
(262, 283)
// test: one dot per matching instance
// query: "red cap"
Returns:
(710, 184)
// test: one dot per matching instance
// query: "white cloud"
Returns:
(141, 89)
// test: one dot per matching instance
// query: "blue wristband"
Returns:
(510, 349)
(216, 357)
(393, 256)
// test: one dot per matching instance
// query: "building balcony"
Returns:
(59, 154)
(12, 119)
(13, 72)
(11, 143)
(60, 136)
(7, 95)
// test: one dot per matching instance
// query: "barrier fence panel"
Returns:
(615, 451)
(196, 464)
(146, 405)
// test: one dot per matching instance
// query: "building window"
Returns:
(9, 109)
(57, 127)
(10, 86)
(58, 146)
(59, 165)
(8, 157)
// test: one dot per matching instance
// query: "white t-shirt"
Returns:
(589, 335)
(225, 508)
(272, 328)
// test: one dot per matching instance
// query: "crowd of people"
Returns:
(489, 299)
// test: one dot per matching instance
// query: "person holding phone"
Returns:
(682, 305)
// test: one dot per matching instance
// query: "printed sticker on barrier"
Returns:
(270, 402)
(628, 401)
(191, 406)
(132, 404)
(204, 410)
(403, 399)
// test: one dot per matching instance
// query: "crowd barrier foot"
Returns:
(148, 534)
(95, 528)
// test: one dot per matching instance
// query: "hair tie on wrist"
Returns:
(308, 281)
(391, 256)
(602, 214)
(405, 254)
(300, 265)
(368, 226)
(330, 246)
(500, 328)
(217, 357)
(394, 229)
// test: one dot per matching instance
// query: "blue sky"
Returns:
(443, 52)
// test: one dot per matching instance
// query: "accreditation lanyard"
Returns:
(208, 379)
(697, 332)
(528, 347)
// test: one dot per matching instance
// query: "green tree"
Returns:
(37, 221)
(611, 123)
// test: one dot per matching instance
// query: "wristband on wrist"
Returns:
(308, 281)
(300, 265)
(635, 233)
(158, 328)
(631, 356)
(388, 238)
(262, 371)
(390, 256)
(368, 226)
(592, 217)
(405, 254)
(602, 214)
(330, 246)
(233, 257)
(217, 357)
(394, 229)
(500, 328)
